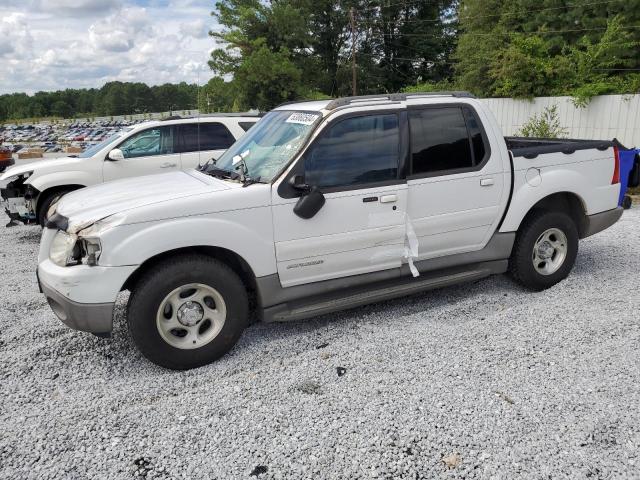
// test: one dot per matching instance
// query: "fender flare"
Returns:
(555, 181)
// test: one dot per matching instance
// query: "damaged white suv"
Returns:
(151, 147)
(323, 206)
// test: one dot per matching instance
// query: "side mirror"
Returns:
(298, 183)
(310, 204)
(115, 155)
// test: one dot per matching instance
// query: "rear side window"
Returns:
(444, 139)
(355, 151)
(246, 125)
(477, 142)
(195, 137)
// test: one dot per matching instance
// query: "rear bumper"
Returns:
(601, 221)
(87, 317)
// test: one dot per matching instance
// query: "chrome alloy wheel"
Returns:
(549, 251)
(191, 316)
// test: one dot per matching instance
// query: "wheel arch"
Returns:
(234, 261)
(566, 202)
(58, 188)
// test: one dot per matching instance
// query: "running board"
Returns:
(376, 293)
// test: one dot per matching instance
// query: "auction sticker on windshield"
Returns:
(302, 118)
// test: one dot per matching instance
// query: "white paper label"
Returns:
(302, 118)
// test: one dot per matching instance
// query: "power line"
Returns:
(532, 34)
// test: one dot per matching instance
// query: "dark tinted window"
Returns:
(246, 125)
(475, 133)
(194, 137)
(439, 140)
(355, 151)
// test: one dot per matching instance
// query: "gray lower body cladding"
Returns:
(88, 317)
(303, 301)
(601, 221)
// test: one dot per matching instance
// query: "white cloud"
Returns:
(77, 7)
(118, 32)
(196, 29)
(14, 35)
(96, 41)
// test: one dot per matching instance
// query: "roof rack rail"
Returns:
(393, 97)
(171, 117)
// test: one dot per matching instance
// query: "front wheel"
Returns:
(545, 250)
(187, 312)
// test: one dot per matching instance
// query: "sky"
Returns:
(58, 44)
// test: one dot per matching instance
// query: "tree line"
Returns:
(113, 98)
(272, 51)
(280, 50)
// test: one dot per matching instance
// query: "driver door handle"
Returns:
(167, 165)
(388, 198)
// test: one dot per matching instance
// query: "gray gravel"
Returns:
(478, 381)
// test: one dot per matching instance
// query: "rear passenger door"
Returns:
(201, 142)
(456, 183)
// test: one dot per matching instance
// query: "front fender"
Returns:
(248, 233)
(45, 181)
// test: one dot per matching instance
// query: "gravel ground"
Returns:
(478, 381)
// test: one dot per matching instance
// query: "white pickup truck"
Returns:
(143, 149)
(322, 206)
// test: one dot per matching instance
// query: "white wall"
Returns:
(604, 118)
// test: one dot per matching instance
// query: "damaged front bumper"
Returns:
(19, 200)
(82, 296)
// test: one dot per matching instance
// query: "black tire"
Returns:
(153, 287)
(521, 264)
(627, 202)
(45, 203)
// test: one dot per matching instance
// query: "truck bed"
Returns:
(532, 147)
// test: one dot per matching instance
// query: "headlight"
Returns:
(68, 249)
(62, 249)
(13, 178)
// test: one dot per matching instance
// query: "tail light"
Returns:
(616, 166)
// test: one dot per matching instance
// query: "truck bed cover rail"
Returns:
(529, 147)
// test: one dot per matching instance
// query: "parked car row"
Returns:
(52, 137)
(320, 206)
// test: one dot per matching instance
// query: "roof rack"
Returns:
(215, 115)
(393, 97)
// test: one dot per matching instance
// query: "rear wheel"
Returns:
(187, 312)
(545, 250)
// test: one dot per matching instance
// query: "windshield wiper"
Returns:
(250, 181)
(221, 173)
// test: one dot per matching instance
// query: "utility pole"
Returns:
(354, 78)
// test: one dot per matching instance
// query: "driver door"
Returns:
(361, 227)
(146, 152)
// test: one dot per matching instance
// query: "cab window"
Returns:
(445, 140)
(150, 142)
(196, 137)
(355, 151)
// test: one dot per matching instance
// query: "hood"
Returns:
(53, 164)
(88, 205)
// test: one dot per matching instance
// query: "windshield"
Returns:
(270, 144)
(90, 152)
